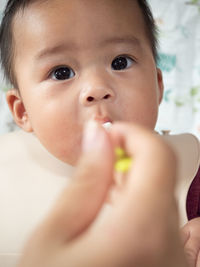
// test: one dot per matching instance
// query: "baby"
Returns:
(73, 61)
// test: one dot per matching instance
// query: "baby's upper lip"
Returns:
(102, 119)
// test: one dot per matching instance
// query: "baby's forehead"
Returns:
(78, 6)
(71, 14)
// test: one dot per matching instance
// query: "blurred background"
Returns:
(179, 36)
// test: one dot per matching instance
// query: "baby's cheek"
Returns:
(68, 148)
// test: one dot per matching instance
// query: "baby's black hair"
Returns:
(7, 42)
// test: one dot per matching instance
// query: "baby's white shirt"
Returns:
(30, 181)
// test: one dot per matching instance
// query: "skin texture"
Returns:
(56, 110)
(119, 238)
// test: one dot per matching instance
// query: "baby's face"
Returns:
(82, 59)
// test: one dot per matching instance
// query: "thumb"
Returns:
(81, 201)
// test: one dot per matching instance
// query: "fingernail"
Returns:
(107, 126)
(93, 136)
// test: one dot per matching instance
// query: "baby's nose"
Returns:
(93, 98)
(93, 95)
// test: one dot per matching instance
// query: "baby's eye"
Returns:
(122, 62)
(62, 73)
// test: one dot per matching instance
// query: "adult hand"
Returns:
(191, 242)
(140, 227)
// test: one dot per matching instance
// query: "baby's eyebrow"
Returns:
(126, 40)
(131, 40)
(48, 51)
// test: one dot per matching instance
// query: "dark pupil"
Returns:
(62, 73)
(119, 63)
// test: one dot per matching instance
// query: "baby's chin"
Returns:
(70, 154)
(74, 157)
(70, 158)
(62, 156)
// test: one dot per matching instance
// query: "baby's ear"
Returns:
(160, 84)
(18, 110)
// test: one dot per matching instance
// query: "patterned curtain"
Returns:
(179, 34)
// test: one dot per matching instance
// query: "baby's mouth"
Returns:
(105, 121)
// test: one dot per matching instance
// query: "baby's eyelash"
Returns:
(61, 73)
(122, 62)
